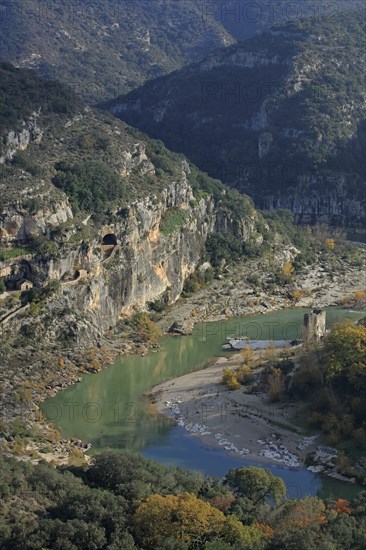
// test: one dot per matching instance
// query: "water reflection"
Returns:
(110, 408)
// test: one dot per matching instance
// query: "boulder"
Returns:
(183, 327)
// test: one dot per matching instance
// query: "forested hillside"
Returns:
(127, 502)
(104, 48)
(244, 18)
(51, 141)
(280, 116)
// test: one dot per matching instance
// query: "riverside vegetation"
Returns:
(125, 501)
(104, 221)
(325, 382)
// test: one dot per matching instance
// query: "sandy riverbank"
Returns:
(243, 424)
(224, 298)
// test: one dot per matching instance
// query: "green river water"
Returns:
(110, 409)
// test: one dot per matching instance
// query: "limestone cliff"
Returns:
(320, 199)
(115, 218)
(144, 260)
(18, 140)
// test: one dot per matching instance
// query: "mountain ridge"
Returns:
(103, 49)
(288, 105)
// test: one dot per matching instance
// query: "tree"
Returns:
(299, 513)
(183, 517)
(257, 484)
(342, 506)
(271, 352)
(276, 385)
(247, 354)
(346, 353)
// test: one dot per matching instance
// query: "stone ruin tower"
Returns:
(314, 324)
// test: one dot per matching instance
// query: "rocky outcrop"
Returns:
(149, 259)
(18, 140)
(17, 224)
(183, 327)
(136, 160)
(322, 199)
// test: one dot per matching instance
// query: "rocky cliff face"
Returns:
(114, 217)
(145, 260)
(18, 224)
(18, 140)
(320, 200)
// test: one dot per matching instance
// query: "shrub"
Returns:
(229, 379)
(22, 161)
(222, 246)
(146, 328)
(172, 220)
(43, 246)
(90, 185)
(158, 306)
(276, 385)
(244, 374)
(2, 285)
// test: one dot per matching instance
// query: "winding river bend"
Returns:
(110, 409)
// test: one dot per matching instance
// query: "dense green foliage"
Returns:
(221, 246)
(172, 220)
(332, 379)
(90, 186)
(245, 19)
(21, 94)
(102, 49)
(228, 199)
(124, 501)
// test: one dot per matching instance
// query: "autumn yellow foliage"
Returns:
(229, 379)
(276, 385)
(288, 270)
(330, 244)
(346, 347)
(188, 519)
(356, 300)
(247, 354)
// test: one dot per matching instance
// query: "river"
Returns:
(110, 408)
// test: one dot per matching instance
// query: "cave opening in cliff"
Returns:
(110, 239)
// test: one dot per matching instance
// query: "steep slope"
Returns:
(245, 18)
(104, 48)
(280, 116)
(114, 217)
(107, 225)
